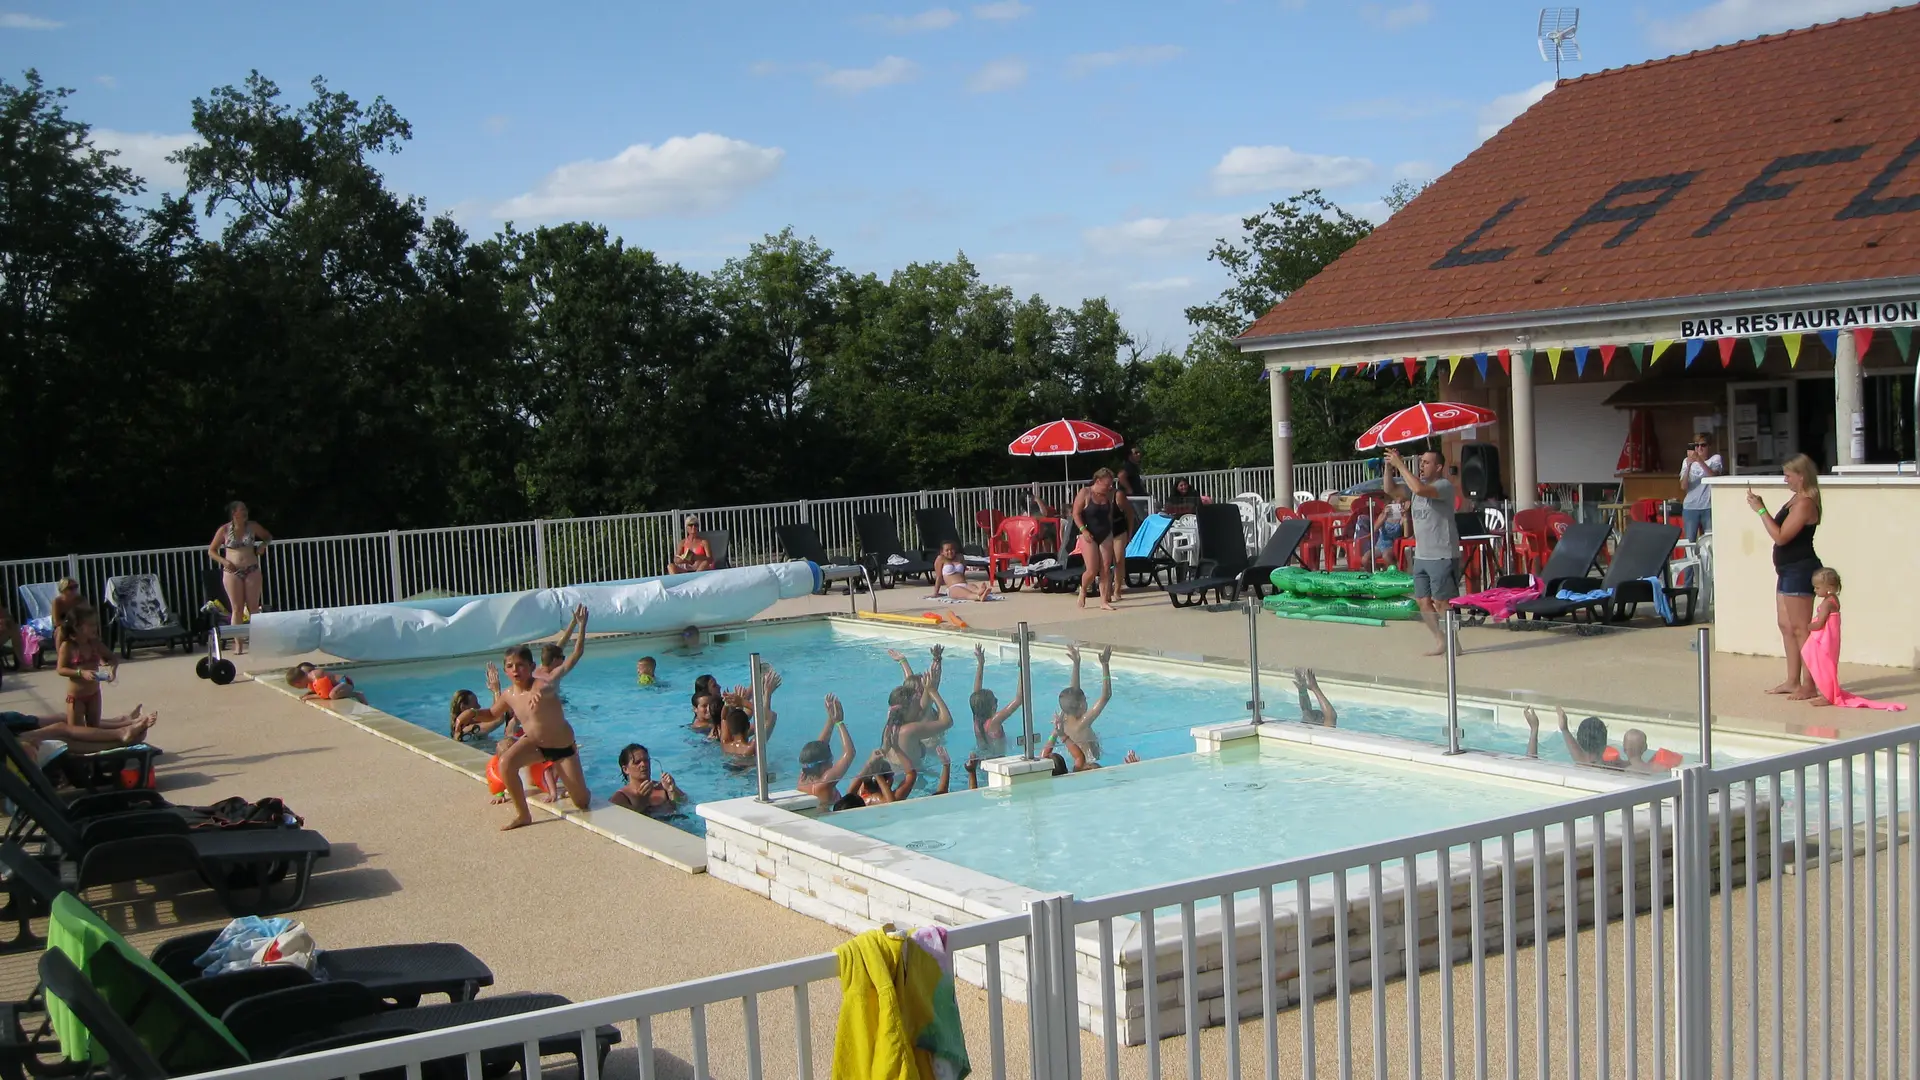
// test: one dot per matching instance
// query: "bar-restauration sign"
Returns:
(1803, 320)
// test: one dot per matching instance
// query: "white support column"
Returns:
(1526, 485)
(1849, 419)
(1279, 400)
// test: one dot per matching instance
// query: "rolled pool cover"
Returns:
(460, 625)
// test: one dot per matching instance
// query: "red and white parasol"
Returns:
(1641, 453)
(1065, 438)
(1424, 421)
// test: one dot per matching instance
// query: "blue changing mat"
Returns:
(1147, 536)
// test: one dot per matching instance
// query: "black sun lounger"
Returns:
(283, 1023)
(936, 526)
(880, 547)
(400, 974)
(142, 844)
(1573, 560)
(1280, 549)
(1223, 558)
(1073, 565)
(799, 540)
(89, 770)
(1644, 551)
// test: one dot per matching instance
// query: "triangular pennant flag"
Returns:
(1480, 361)
(1553, 362)
(1265, 374)
(1334, 371)
(1726, 345)
(1453, 366)
(1307, 376)
(1792, 341)
(1831, 339)
(1580, 360)
(1694, 345)
(1606, 357)
(1639, 351)
(1758, 345)
(1660, 345)
(1526, 360)
(1862, 341)
(1505, 356)
(1429, 366)
(1903, 340)
(1408, 362)
(1380, 366)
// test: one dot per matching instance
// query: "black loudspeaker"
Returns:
(1480, 471)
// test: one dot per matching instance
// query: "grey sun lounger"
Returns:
(281, 1023)
(143, 844)
(399, 974)
(1280, 549)
(1574, 558)
(1644, 552)
(1223, 558)
(90, 770)
(885, 557)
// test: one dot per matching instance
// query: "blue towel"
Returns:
(1660, 602)
(1147, 536)
(1584, 597)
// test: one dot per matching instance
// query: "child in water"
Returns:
(1074, 721)
(643, 671)
(989, 719)
(1314, 706)
(322, 686)
(820, 771)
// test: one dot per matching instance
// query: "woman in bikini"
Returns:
(694, 554)
(80, 659)
(236, 549)
(1097, 514)
(951, 571)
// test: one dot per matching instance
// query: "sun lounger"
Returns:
(1643, 553)
(401, 974)
(144, 844)
(885, 557)
(799, 541)
(936, 526)
(719, 547)
(1573, 558)
(113, 1006)
(137, 614)
(1149, 561)
(1072, 567)
(87, 804)
(1223, 557)
(36, 600)
(1280, 549)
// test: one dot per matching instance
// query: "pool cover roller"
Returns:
(455, 626)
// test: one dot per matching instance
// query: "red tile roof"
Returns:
(1783, 161)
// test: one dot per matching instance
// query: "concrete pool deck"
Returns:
(417, 856)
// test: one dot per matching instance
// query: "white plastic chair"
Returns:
(1302, 496)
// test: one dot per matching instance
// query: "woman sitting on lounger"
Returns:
(951, 571)
(694, 554)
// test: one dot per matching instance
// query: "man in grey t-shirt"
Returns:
(1436, 536)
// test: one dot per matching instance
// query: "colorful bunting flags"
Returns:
(1553, 361)
(1453, 366)
(1694, 345)
(1526, 360)
(1831, 339)
(1433, 367)
(1726, 345)
(1307, 375)
(1606, 357)
(1412, 364)
(1792, 342)
(1580, 360)
(1862, 341)
(1480, 361)
(1639, 351)
(1660, 345)
(1903, 339)
(1506, 361)
(1758, 346)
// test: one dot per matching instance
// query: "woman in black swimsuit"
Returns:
(1097, 514)
(1791, 529)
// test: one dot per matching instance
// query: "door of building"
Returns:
(1763, 426)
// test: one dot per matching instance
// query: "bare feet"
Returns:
(1439, 649)
(1783, 688)
(1083, 599)
(1104, 606)
(1803, 695)
(137, 731)
(1818, 702)
(516, 823)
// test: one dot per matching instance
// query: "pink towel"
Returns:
(1821, 654)
(1498, 603)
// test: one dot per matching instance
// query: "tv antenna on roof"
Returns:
(1557, 41)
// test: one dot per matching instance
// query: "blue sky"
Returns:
(1068, 148)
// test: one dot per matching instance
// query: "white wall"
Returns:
(1577, 439)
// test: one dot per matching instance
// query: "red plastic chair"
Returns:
(1021, 540)
(1354, 545)
(1316, 549)
(989, 520)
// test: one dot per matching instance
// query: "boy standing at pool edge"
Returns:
(536, 704)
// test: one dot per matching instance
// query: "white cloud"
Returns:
(683, 175)
(1002, 11)
(497, 124)
(1246, 169)
(107, 81)
(145, 152)
(1161, 284)
(1131, 56)
(1403, 17)
(1414, 170)
(1731, 20)
(997, 75)
(930, 19)
(1191, 235)
(1501, 111)
(763, 68)
(13, 20)
(889, 71)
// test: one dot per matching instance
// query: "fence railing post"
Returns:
(1053, 1010)
(540, 552)
(1026, 694)
(759, 726)
(393, 562)
(1693, 929)
(1702, 644)
(1238, 485)
(804, 519)
(73, 567)
(1253, 654)
(1453, 681)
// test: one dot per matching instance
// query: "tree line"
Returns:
(290, 331)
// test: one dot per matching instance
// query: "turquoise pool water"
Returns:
(1117, 829)
(1151, 713)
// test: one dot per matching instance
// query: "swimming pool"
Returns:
(1153, 709)
(1256, 801)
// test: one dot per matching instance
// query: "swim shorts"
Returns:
(1438, 579)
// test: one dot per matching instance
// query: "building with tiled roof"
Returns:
(1728, 240)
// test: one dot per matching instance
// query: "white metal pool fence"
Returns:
(1684, 928)
(371, 568)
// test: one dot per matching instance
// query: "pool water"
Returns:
(1116, 829)
(1152, 711)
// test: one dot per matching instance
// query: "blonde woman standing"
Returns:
(1791, 529)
